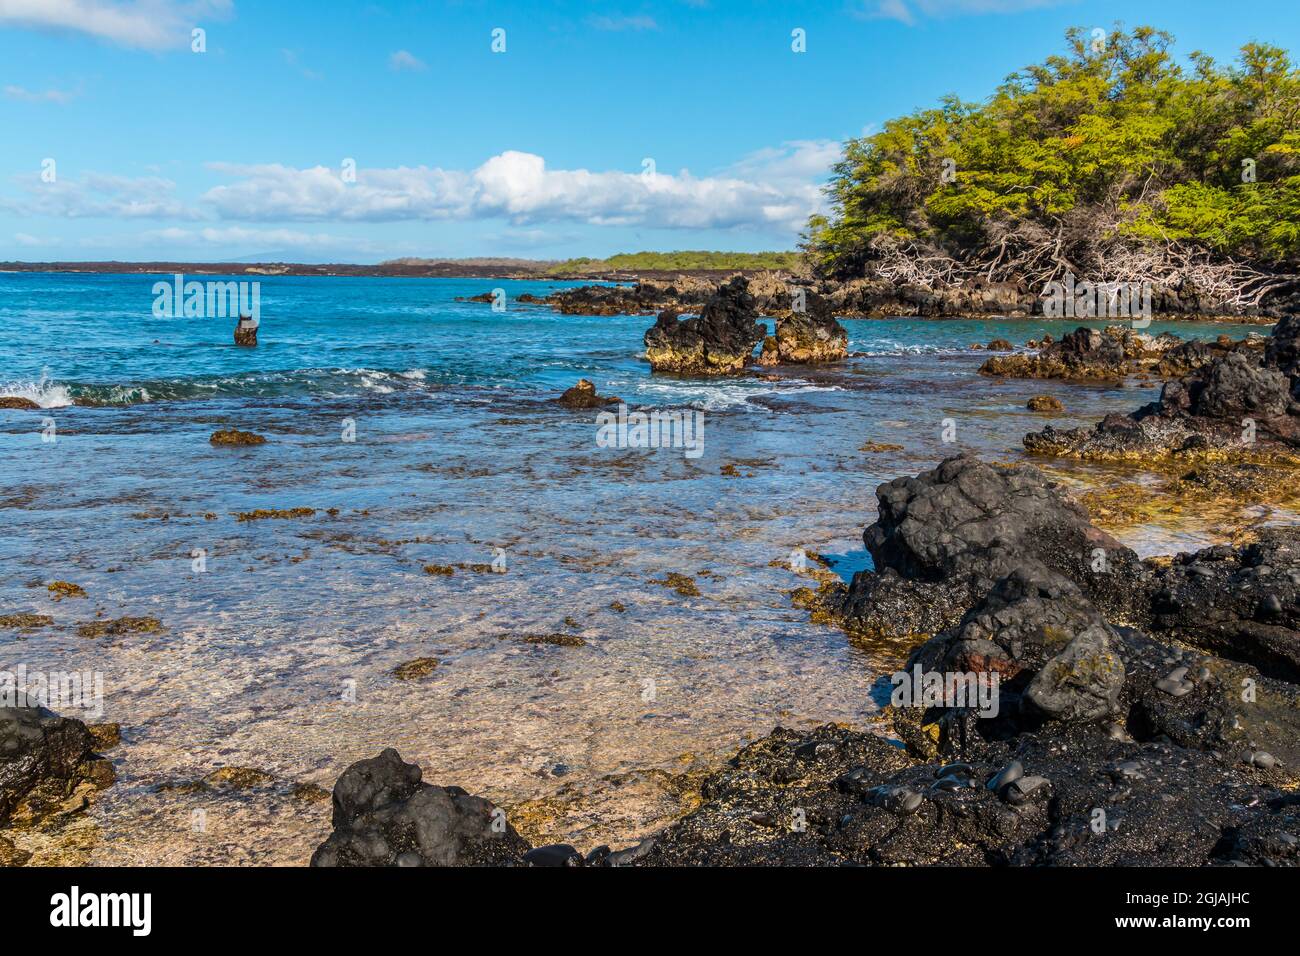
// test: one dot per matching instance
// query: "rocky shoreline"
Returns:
(1147, 713)
(862, 298)
(1140, 712)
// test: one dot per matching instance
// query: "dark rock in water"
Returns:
(1082, 354)
(246, 331)
(1238, 406)
(1239, 603)
(47, 762)
(944, 538)
(810, 336)
(384, 815)
(647, 297)
(719, 340)
(583, 395)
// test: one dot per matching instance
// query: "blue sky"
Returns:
(539, 151)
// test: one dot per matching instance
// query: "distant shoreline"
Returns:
(432, 270)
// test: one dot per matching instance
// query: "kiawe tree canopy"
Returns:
(1113, 157)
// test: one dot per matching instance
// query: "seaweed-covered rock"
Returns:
(719, 340)
(47, 762)
(385, 815)
(941, 541)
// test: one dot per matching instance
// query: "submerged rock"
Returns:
(1045, 403)
(385, 815)
(719, 340)
(233, 436)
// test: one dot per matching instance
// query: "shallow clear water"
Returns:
(279, 655)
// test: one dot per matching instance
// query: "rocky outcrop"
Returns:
(1237, 407)
(1104, 746)
(385, 815)
(943, 539)
(810, 336)
(246, 331)
(647, 297)
(718, 341)
(583, 396)
(832, 797)
(872, 298)
(1115, 352)
(48, 764)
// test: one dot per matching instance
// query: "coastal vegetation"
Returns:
(1112, 160)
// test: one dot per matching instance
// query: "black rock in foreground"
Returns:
(942, 540)
(385, 815)
(45, 760)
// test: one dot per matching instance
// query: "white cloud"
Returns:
(771, 188)
(405, 60)
(775, 187)
(47, 96)
(29, 241)
(143, 24)
(907, 11)
(97, 195)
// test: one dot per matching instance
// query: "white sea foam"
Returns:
(44, 393)
(724, 395)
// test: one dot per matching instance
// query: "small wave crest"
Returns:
(44, 392)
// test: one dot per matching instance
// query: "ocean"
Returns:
(422, 431)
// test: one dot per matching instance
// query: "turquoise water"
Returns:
(279, 653)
